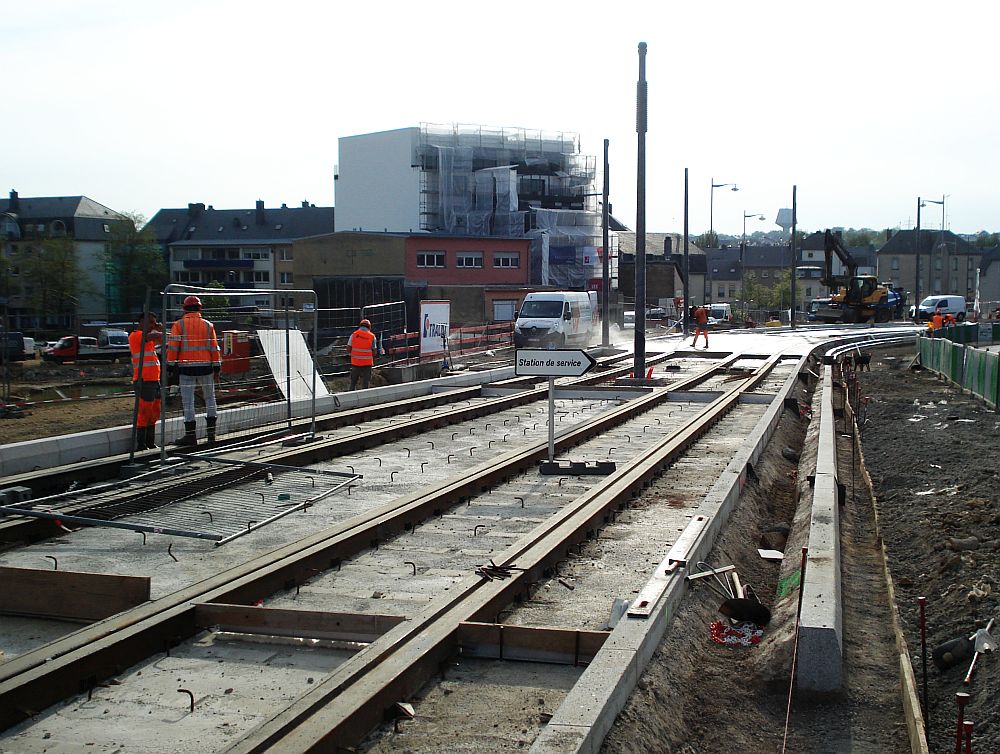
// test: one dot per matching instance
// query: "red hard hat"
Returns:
(192, 301)
(365, 323)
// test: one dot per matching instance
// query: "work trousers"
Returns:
(362, 374)
(207, 383)
(149, 403)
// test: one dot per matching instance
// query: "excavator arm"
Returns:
(833, 245)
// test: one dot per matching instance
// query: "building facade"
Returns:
(948, 263)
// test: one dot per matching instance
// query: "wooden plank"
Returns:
(69, 595)
(303, 624)
(529, 643)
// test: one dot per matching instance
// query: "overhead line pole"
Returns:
(639, 360)
(795, 261)
(606, 277)
(687, 261)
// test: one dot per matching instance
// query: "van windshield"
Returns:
(932, 302)
(547, 309)
(718, 312)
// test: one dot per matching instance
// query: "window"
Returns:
(288, 301)
(430, 259)
(285, 255)
(937, 263)
(894, 263)
(722, 291)
(186, 276)
(732, 291)
(506, 259)
(937, 285)
(809, 255)
(469, 259)
(809, 291)
(284, 277)
(254, 252)
(256, 276)
(107, 228)
(954, 264)
(183, 255)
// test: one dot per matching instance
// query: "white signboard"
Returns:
(537, 362)
(435, 319)
(292, 367)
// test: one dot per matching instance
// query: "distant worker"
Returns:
(949, 320)
(146, 380)
(700, 315)
(361, 347)
(937, 321)
(193, 352)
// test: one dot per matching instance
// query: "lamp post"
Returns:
(916, 249)
(743, 247)
(711, 202)
(941, 244)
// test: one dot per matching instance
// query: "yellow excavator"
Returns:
(854, 297)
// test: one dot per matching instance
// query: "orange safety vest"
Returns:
(362, 348)
(937, 322)
(150, 360)
(192, 342)
(701, 315)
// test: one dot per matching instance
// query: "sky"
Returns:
(863, 106)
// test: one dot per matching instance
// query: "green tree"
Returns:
(986, 240)
(50, 275)
(133, 262)
(707, 240)
(217, 305)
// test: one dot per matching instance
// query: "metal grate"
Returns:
(205, 498)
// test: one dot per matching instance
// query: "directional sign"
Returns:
(536, 362)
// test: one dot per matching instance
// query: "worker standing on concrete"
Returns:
(937, 321)
(193, 352)
(361, 346)
(700, 316)
(146, 381)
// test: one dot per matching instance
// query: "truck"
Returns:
(556, 319)
(11, 346)
(854, 297)
(109, 345)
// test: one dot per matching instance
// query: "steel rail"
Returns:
(34, 529)
(79, 661)
(343, 708)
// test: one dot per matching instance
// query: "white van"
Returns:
(947, 304)
(556, 319)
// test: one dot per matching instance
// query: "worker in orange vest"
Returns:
(949, 320)
(700, 315)
(937, 321)
(193, 352)
(146, 378)
(361, 346)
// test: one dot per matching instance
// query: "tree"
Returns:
(51, 275)
(986, 240)
(219, 305)
(133, 262)
(707, 240)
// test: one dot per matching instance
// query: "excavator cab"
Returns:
(860, 290)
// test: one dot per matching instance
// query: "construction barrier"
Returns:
(461, 341)
(969, 368)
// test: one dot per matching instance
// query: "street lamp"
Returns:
(743, 246)
(941, 245)
(711, 202)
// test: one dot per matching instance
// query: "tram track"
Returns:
(81, 660)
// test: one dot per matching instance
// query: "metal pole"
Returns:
(795, 259)
(711, 204)
(639, 360)
(312, 424)
(743, 246)
(552, 419)
(288, 366)
(606, 276)
(687, 261)
(916, 286)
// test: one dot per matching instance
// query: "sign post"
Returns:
(537, 362)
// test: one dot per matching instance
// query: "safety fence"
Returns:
(405, 347)
(971, 368)
(970, 332)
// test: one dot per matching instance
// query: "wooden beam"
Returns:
(562, 646)
(302, 624)
(69, 595)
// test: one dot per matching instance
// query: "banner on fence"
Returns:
(435, 320)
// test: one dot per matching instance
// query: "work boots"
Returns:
(210, 427)
(189, 439)
(140, 438)
(151, 437)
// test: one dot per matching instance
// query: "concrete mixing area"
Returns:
(518, 648)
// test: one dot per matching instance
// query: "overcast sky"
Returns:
(864, 105)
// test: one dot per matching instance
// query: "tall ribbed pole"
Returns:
(687, 261)
(606, 278)
(638, 364)
(795, 261)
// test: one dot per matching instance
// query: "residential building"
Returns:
(722, 275)
(664, 266)
(948, 263)
(239, 248)
(55, 249)
(989, 282)
(478, 181)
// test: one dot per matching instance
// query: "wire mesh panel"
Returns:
(205, 498)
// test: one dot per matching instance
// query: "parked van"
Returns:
(11, 346)
(954, 305)
(720, 313)
(29, 348)
(556, 319)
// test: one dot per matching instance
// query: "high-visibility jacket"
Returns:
(937, 322)
(150, 360)
(192, 345)
(701, 315)
(362, 348)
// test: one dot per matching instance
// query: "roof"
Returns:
(989, 257)
(206, 225)
(767, 257)
(723, 264)
(51, 207)
(696, 263)
(656, 243)
(903, 242)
